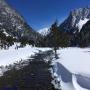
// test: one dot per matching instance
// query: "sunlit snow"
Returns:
(81, 23)
(71, 63)
(12, 55)
(44, 31)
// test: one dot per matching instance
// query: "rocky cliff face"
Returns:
(76, 19)
(13, 24)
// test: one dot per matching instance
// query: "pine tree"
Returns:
(54, 40)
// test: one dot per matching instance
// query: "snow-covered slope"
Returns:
(72, 68)
(76, 19)
(44, 31)
(81, 23)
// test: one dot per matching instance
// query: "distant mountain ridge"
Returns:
(76, 19)
(13, 24)
(75, 30)
(44, 31)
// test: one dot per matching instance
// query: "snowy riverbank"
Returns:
(12, 55)
(71, 70)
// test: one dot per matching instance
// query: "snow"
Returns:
(81, 23)
(12, 55)
(72, 68)
(76, 60)
(44, 31)
(76, 85)
(4, 32)
(67, 86)
(71, 63)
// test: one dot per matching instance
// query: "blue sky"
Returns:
(42, 13)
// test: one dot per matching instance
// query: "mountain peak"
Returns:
(44, 31)
(81, 12)
(76, 16)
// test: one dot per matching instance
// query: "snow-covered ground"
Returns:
(12, 55)
(72, 68)
(76, 60)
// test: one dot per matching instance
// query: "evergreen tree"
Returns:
(54, 40)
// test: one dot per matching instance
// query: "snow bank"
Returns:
(76, 85)
(71, 63)
(67, 86)
(76, 60)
